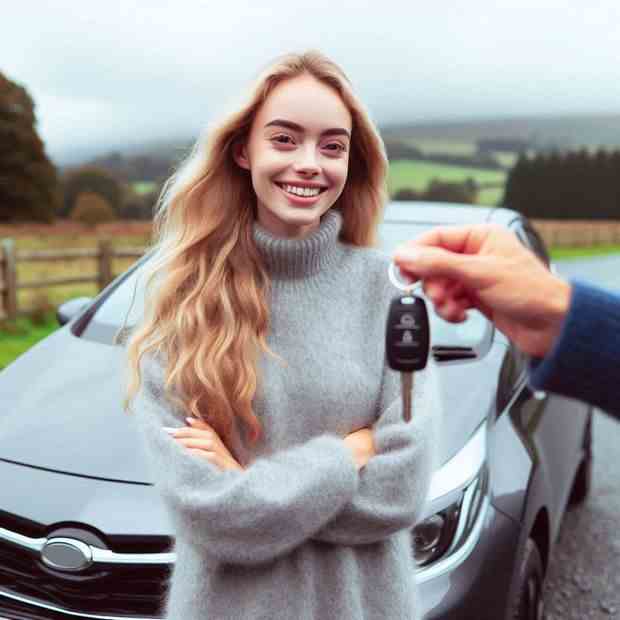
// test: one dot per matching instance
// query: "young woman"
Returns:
(273, 427)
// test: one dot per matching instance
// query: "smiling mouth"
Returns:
(301, 192)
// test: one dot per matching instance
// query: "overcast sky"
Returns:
(111, 72)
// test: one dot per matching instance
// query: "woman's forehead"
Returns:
(307, 102)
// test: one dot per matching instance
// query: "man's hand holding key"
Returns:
(487, 268)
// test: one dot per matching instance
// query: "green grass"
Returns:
(490, 197)
(143, 187)
(575, 253)
(444, 147)
(16, 337)
(418, 174)
(505, 158)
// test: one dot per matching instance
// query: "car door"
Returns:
(558, 431)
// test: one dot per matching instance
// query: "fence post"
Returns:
(104, 276)
(8, 275)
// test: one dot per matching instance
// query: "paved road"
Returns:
(584, 573)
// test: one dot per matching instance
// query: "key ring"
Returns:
(407, 288)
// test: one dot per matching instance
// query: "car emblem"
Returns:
(66, 554)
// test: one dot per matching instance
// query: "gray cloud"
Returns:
(116, 72)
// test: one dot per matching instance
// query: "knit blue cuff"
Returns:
(581, 363)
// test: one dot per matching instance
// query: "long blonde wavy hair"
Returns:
(206, 286)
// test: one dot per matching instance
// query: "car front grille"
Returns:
(120, 590)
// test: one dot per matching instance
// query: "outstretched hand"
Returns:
(486, 267)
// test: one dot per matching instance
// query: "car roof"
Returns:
(435, 213)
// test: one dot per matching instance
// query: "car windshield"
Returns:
(124, 305)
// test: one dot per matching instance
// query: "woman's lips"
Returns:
(301, 201)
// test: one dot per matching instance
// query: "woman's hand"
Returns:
(200, 439)
(362, 445)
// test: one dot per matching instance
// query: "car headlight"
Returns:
(457, 501)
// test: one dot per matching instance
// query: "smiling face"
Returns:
(297, 153)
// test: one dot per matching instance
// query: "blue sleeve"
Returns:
(583, 363)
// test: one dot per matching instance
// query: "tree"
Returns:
(91, 179)
(29, 188)
(92, 209)
(449, 191)
(407, 193)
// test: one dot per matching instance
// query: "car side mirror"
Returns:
(67, 310)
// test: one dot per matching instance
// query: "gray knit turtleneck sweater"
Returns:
(300, 534)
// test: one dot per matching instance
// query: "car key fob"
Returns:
(407, 334)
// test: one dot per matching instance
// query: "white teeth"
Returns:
(301, 191)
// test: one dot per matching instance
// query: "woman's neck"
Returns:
(298, 257)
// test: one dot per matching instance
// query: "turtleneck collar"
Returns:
(294, 258)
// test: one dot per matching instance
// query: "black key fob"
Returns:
(407, 334)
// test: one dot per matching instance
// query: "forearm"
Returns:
(254, 515)
(395, 482)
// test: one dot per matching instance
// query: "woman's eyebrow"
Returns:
(335, 131)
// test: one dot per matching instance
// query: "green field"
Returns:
(443, 147)
(144, 187)
(490, 197)
(576, 253)
(18, 336)
(417, 175)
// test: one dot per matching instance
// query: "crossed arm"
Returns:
(394, 484)
(310, 491)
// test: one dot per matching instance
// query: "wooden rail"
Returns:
(104, 254)
(568, 233)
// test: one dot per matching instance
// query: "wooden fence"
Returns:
(578, 233)
(557, 233)
(104, 254)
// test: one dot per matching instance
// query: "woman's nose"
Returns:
(307, 162)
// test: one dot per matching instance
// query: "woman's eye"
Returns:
(335, 146)
(282, 139)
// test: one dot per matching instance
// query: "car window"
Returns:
(124, 305)
(120, 310)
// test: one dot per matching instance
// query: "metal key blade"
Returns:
(406, 386)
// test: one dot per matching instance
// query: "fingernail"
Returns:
(172, 431)
(190, 420)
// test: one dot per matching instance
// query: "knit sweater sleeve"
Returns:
(243, 517)
(583, 362)
(395, 482)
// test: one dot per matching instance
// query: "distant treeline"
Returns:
(132, 168)
(569, 185)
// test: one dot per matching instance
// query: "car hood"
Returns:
(61, 408)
